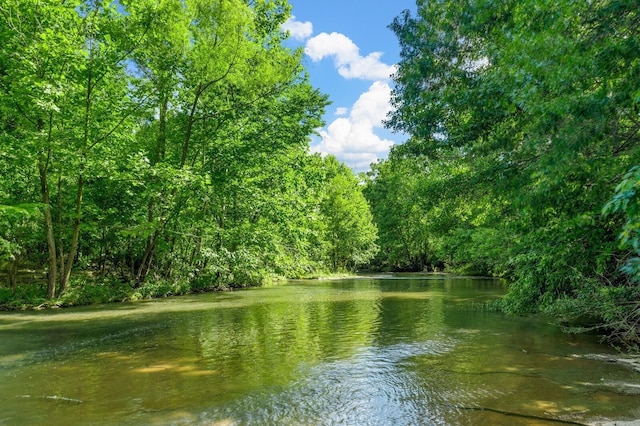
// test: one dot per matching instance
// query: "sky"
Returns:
(350, 54)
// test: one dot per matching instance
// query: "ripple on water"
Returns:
(372, 387)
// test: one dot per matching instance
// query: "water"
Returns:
(397, 350)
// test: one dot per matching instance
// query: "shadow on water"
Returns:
(366, 351)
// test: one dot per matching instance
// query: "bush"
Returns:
(85, 291)
(161, 288)
(25, 296)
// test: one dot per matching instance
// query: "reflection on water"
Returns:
(398, 350)
(370, 387)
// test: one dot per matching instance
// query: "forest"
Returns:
(524, 155)
(151, 148)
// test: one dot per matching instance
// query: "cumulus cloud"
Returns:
(341, 111)
(347, 58)
(353, 139)
(298, 30)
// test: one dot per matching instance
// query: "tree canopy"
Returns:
(523, 118)
(166, 141)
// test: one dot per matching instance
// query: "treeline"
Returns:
(166, 141)
(524, 124)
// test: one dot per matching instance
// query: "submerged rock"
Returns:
(628, 361)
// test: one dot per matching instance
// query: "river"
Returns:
(388, 350)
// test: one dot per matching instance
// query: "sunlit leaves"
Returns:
(525, 114)
(627, 202)
(351, 234)
(162, 138)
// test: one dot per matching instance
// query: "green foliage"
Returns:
(627, 202)
(159, 148)
(161, 288)
(16, 223)
(398, 214)
(89, 291)
(22, 297)
(521, 116)
(349, 223)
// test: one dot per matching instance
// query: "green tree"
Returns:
(64, 84)
(392, 191)
(233, 109)
(350, 232)
(627, 202)
(166, 144)
(526, 113)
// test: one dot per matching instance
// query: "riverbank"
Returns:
(89, 290)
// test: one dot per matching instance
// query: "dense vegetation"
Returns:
(524, 117)
(159, 147)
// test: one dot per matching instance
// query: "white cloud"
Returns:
(341, 111)
(353, 139)
(298, 30)
(347, 58)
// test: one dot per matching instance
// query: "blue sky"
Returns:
(350, 54)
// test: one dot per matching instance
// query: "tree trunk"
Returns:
(48, 223)
(104, 252)
(13, 274)
(143, 270)
(73, 249)
(159, 156)
(195, 252)
(60, 227)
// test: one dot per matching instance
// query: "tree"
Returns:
(400, 218)
(526, 113)
(233, 107)
(64, 84)
(349, 225)
(166, 142)
(627, 201)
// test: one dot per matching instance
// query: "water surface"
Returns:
(395, 350)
